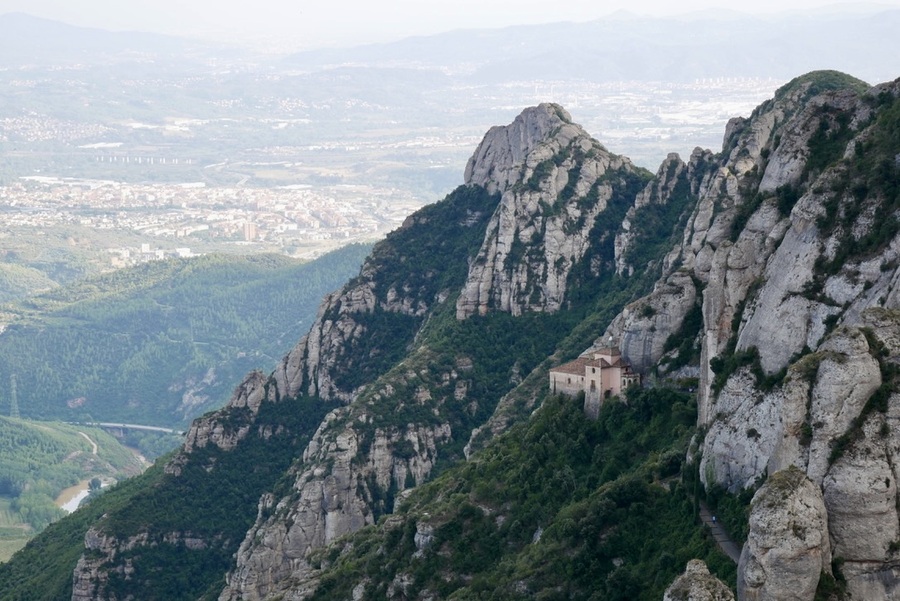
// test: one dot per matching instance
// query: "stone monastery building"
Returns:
(601, 375)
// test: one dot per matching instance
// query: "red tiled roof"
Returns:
(578, 366)
(575, 367)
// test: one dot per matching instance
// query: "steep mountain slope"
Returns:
(559, 507)
(558, 199)
(787, 266)
(404, 381)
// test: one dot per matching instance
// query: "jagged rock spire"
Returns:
(554, 182)
(499, 161)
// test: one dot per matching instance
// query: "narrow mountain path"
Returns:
(728, 546)
(93, 444)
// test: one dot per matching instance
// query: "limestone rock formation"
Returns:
(792, 250)
(333, 494)
(90, 579)
(861, 497)
(217, 429)
(554, 180)
(643, 328)
(787, 548)
(756, 432)
(697, 584)
(308, 367)
(499, 162)
(798, 344)
(90, 576)
(743, 436)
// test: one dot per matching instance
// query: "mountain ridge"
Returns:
(645, 47)
(160, 338)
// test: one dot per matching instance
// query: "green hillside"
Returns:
(18, 281)
(38, 460)
(214, 504)
(163, 342)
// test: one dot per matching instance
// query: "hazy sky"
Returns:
(304, 24)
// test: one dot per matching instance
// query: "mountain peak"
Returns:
(499, 160)
(554, 180)
(818, 82)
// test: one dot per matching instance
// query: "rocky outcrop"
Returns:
(791, 305)
(823, 422)
(848, 375)
(743, 435)
(500, 161)
(754, 242)
(787, 548)
(860, 493)
(555, 180)
(818, 332)
(309, 367)
(737, 241)
(757, 432)
(91, 575)
(764, 256)
(90, 579)
(336, 491)
(228, 426)
(697, 584)
(645, 326)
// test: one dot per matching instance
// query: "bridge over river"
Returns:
(121, 426)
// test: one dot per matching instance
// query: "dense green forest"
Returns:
(18, 281)
(162, 342)
(38, 460)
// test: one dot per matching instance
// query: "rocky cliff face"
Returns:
(406, 278)
(91, 578)
(541, 198)
(214, 429)
(554, 181)
(792, 249)
(338, 489)
(783, 283)
(788, 548)
(770, 219)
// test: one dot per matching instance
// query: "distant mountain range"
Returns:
(628, 47)
(25, 39)
(621, 46)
